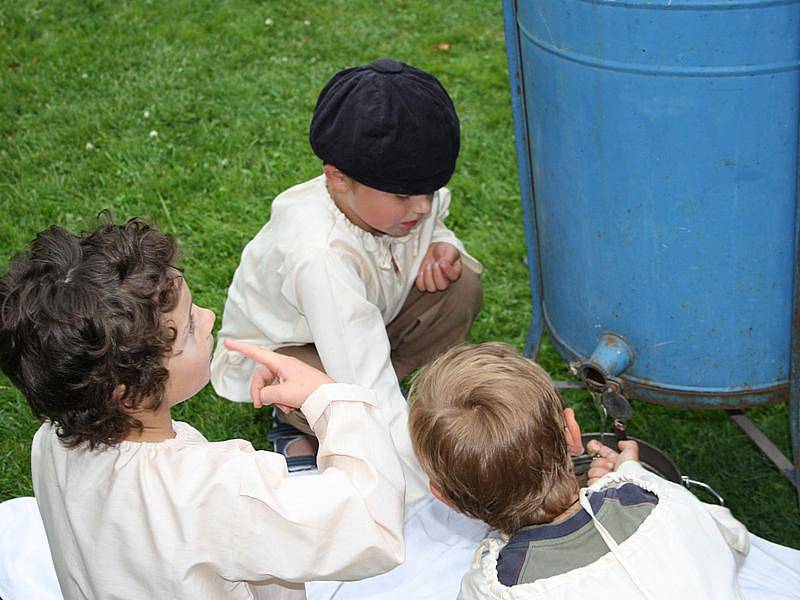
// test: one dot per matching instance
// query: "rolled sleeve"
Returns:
(316, 403)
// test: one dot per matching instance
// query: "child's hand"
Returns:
(281, 380)
(440, 267)
(606, 460)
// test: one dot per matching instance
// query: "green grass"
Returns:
(83, 85)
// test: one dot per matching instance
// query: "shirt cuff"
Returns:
(316, 404)
(471, 263)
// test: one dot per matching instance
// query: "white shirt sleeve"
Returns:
(442, 234)
(733, 531)
(350, 337)
(344, 523)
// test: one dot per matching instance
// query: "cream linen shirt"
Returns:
(188, 518)
(683, 550)
(312, 276)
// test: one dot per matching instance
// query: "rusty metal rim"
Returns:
(681, 396)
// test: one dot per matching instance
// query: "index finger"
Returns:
(257, 353)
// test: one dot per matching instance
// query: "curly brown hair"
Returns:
(81, 331)
(487, 427)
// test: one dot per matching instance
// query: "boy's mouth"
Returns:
(409, 224)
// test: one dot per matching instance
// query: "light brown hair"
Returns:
(488, 429)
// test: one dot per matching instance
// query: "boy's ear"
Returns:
(437, 493)
(573, 433)
(337, 181)
(118, 396)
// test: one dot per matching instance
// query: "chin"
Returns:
(399, 233)
(206, 379)
(199, 387)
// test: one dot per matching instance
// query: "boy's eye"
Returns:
(191, 323)
(401, 197)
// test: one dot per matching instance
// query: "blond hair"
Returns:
(487, 426)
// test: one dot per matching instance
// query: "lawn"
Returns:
(195, 116)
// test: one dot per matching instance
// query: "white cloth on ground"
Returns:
(26, 568)
(442, 543)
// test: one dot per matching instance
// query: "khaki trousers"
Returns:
(427, 325)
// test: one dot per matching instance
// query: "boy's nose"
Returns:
(423, 204)
(211, 316)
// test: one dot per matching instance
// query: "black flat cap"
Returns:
(389, 126)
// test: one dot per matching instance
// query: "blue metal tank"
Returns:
(658, 153)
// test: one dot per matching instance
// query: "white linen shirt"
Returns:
(312, 276)
(188, 518)
(683, 549)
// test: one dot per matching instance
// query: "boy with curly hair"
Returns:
(101, 335)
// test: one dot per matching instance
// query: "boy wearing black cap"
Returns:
(355, 272)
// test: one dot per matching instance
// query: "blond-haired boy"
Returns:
(491, 432)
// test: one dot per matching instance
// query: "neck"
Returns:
(573, 507)
(156, 425)
(571, 510)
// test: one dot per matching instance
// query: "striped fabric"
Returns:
(540, 551)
